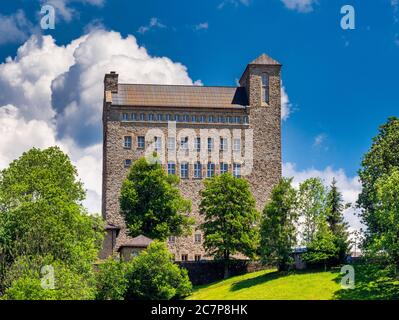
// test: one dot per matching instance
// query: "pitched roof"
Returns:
(137, 242)
(149, 95)
(265, 59)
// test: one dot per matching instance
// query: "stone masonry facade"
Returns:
(249, 116)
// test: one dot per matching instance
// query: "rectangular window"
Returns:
(197, 257)
(265, 87)
(246, 120)
(223, 120)
(127, 144)
(210, 119)
(184, 170)
(134, 116)
(168, 117)
(224, 167)
(158, 143)
(202, 119)
(237, 145)
(142, 116)
(237, 119)
(197, 170)
(210, 144)
(125, 116)
(172, 239)
(185, 118)
(184, 143)
(159, 117)
(193, 119)
(171, 144)
(223, 144)
(140, 142)
(210, 170)
(197, 238)
(237, 170)
(171, 167)
(150, 117)
(127, 163)
(197, 144)
(230, 119)
(184, 257)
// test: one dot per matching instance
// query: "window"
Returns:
(197, 170)
(158, 143)
(223, 144)
(171, 167)
(210, 144)
(134, 116)
(202, 119)
(197, 238)
(127, 163)
(237, 119)
(265, 87)
(184, 143)
(197, 144)
(172, 239)
(193, 119)
(224, 167)
(159, 117)
(210, 170)
(237, 170)
(237, 145)
(150, 117)
(142, 116)
(223, 120)
(140, 142)
(210, 119)
(171, 144)
(246, 120)
(127, 144)
(168, 117)
(184, 170)
(230, 119)
(197, 257)
(125, 117)
(178, 118)
(184, 257)
(185, 118)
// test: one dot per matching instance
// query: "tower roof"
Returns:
(265, 59)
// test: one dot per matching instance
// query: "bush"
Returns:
(111, 280)
(153, 275)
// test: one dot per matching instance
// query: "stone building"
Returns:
(198, 131)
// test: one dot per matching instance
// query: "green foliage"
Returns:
(335, 220)
(152, 275)
(311, 206)
(41, 214)
(230, 216)
(380, 160)
(278, 231)
(112, 280)
(152, 204)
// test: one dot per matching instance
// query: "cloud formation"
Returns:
(302, 6)
(15, 28)
(154, 23)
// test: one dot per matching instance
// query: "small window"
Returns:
(127, 144)
(224, 167)
(197, 238)
(202, 119)
(159, 117)
(197, 144)
(210, 119)
(184, 170)
(171, 167)
(184, 143)
(197, 170)
(142, 116)
(125, 116)
(184, 257)
(172, 239)
(237, 145)
(223, 144)
(134, 116)
(197, 257)
(237, 119)
(245, 120)
(210, 144)
(185, 118)
(158, 143)
(168, 117)
(171, 144)
(140, 142)
(127, 163)
(210, 170)
(193, 119)
(150, 117)
(265, 87)
(237, 170)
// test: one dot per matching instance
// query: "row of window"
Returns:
(184, 257)
(197, 238)
(197, 169)
(223, 145)
(160, 117)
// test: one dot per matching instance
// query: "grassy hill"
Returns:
(372, 282)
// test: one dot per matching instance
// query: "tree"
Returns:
(278, 231)
(152, 275)
(335, 220)
(41, 213)
(230, 217)
(152, 204)
(312, 206)
(111, 280)
(380, 160)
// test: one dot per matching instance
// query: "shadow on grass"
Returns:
(372, 282)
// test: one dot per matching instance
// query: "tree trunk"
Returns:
(226, 264)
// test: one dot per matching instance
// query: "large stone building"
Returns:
(198, 131)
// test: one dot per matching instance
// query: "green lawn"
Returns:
(372, 282)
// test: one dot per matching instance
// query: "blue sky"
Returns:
(341, 84)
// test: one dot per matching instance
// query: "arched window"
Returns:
(265, 87)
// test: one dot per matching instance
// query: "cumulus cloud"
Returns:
(300, 5)
(15, 28)
(154, 23)
(64, 9)
(52, 95)
(349, 186)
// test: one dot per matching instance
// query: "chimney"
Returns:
(111, 82)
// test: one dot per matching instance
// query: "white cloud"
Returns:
(15, 28)
(65, 11)
(300, 5)
(154, 23)
(349, 186)
(60, 103)
(319, 139)
(286, 105)
(201, 26)
(235, 3)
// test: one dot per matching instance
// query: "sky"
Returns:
(338, 85)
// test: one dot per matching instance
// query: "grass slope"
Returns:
(272, 285)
